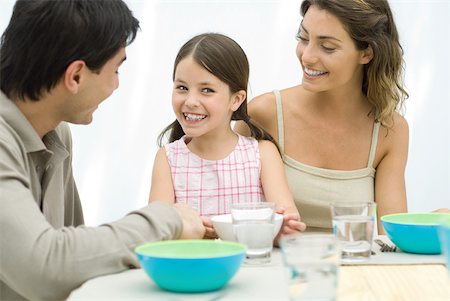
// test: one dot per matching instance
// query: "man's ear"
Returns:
(366, 55)
(238, 98)
(73, 76)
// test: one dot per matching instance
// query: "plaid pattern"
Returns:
(211, 186)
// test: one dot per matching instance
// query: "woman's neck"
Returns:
(339, 104)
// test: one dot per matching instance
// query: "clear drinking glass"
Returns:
(312, 263)
(353, 226)
(253, 226)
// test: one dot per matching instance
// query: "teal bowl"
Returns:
(414, 232)
(191, 266)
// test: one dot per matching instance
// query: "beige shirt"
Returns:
(45, 252)
(314, 189)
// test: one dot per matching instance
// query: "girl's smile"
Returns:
(202, 103)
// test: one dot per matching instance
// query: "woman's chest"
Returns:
(328, 146)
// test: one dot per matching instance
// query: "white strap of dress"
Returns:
(373, 146)
(279, 121)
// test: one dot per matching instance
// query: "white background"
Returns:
(113, 156)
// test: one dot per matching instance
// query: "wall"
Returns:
(114, 155)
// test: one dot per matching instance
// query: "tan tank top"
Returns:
(314, 189)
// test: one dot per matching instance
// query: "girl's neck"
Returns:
(213, 147)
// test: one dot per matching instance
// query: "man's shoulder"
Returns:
(7, 133)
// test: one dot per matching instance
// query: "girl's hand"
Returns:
(291, 224)
(210, 233)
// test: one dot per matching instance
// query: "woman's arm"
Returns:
(390, 191)
(274, 183)
(162, 185)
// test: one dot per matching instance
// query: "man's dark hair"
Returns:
(45, 36)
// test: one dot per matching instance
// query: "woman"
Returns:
(339, 131)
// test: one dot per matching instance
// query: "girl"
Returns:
(206, 164)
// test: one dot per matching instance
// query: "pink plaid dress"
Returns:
(211, 186)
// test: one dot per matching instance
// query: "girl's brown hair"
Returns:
(226, 60)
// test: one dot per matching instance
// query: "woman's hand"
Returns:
(442, 210)
(210, 233)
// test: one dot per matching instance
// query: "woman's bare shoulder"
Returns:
(263, 107)
(259, 102)
(395, 139)
(398, 130)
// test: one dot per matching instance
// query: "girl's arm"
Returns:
(390, 191)
(274, 184)
(162, 186)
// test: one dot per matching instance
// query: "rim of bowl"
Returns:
(240, 248)
(219, 218)
(440, 218)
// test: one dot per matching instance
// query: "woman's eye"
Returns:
(182, 88)
(329, 49)
(301, 38)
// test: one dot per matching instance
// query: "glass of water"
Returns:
(353, 226)
(253, 226)
(311, 262)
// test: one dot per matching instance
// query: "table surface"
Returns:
(427, 279)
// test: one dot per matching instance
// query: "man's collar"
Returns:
(15, 118)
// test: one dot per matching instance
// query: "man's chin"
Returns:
(84, 121)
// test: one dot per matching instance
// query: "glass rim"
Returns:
(246, 205)
(308, 235)
(353, 204)
(314, 238)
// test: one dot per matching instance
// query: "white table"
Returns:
(385, 277)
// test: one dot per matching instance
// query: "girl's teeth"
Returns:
(194, 116)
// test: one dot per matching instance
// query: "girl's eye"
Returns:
(180, 87)
(207, 90)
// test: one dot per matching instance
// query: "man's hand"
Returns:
(192, 223)
(210, 231)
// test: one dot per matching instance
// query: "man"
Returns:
(58, 61)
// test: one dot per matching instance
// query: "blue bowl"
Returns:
(414, 232)
(191, 266)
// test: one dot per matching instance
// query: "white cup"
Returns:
(253, 226)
